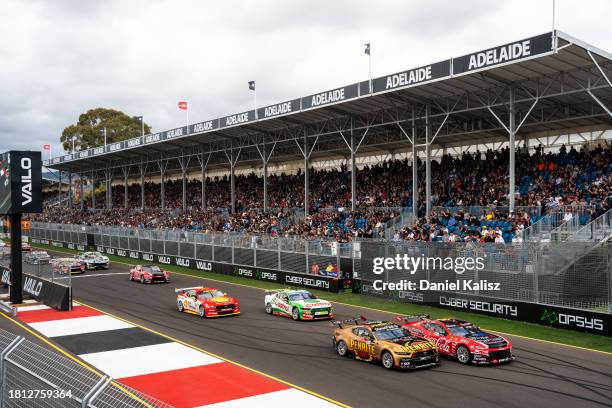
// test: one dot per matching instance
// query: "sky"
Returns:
(60, 58)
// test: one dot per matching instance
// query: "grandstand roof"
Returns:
(559, 84)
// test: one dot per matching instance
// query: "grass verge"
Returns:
(533, 331)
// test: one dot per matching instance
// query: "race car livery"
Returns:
(149, 274)
(297, 304)
(37, 257)
(67, 266)
(206, 302)
(94, 260)
(461, 340)
(384, 342)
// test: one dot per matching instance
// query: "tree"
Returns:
(89, 130)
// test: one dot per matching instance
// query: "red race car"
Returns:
(149, 274)
(461, 340)
(206, 302)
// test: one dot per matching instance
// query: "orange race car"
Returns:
(206, 302)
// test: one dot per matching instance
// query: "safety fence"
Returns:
(574, 274)
(34, 376)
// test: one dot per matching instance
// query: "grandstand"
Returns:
(479, 128)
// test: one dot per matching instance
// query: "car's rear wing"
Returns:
(411, 318)
(183, 290)
(347, 322)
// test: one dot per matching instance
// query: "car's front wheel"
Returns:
(141, 279)
(341, 348)
(295, 314)
(179, 305)
(463, 355)
(387, 360)
(201, 311)
(268, 308)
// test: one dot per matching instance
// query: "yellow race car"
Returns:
(384, 342)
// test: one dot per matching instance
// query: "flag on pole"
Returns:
(46, 146)
(182, 105)
(252, 85)
(139, 118)
(367, 48)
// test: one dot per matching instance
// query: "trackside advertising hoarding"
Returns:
(547, 315)
(20, 182)
(49, 293)
(270, 275)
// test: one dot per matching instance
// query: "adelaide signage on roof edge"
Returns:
(502, 54)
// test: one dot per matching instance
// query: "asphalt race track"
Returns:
(543, 375)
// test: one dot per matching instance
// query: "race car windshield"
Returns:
(391, 334)
(95, 254)
(296, 297)
(211, 294)
(463, 331)
(152, 269)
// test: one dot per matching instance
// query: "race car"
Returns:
(149, 274)
(461, 340)
(297, 304)
(67, 266)
(206, 302)
(37, 257)
(94, 260)
(26, 247)
(385, 342)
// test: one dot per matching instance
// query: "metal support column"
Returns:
(265, 159)
(232, 182)
(59, 184)
(265, 178)
(353, 146)
(233, 159)
(126, 174)
(415, 170)
(163, 165)
(427, 161)
(306, 191)
(512, 148)
(93, 190)
(109, 189)
(203, 166)
(184, 163)
(81, 192)
(70, 191)
(142, 168)
(353, 169)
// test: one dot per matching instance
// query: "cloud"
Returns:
(60, 58)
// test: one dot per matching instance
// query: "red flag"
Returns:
(46, 146)
(182, 105)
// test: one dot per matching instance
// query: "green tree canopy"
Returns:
(89, 130)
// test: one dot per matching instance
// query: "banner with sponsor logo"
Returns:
(270, 275)
(288, 278)
(329, 97)
(283, 108)
(413, 77)
(547, 315)
(49, 293)
(502, 54)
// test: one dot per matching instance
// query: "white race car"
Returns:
(94, 260)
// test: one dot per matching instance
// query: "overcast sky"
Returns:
(61, 58)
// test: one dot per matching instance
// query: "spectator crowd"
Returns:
(577, 177)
